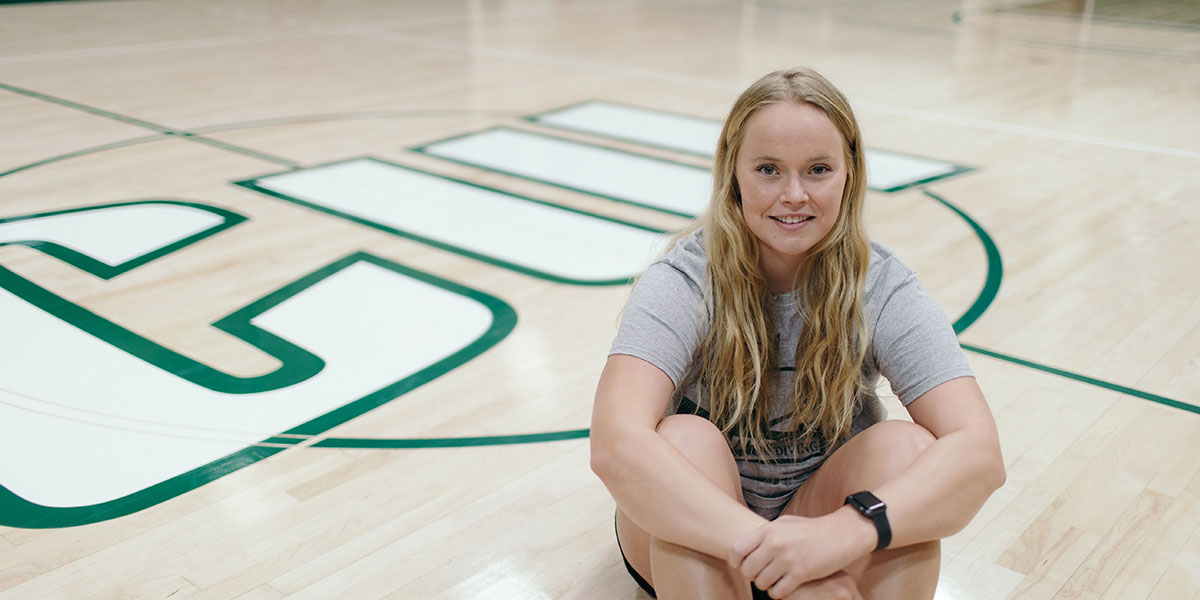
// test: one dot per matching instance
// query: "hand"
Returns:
(791, 551)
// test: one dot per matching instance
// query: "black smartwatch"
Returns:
(874, 509)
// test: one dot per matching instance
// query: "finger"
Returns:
(785, 586)
(772, 576)
(756, 563)
(743, 546)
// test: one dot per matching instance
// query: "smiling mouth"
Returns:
(793, 220)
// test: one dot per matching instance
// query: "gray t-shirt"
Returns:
(911, 345)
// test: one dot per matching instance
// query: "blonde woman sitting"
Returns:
(736, 423)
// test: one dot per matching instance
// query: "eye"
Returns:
(821, 170)
(768, 170)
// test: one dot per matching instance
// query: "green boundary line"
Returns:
(145, 124)
(1108, 385)
(253, 184)
(18, 512)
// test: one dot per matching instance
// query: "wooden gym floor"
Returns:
(307, 299)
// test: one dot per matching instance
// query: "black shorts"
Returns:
(645, 585)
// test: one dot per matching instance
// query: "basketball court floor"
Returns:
(308, 299)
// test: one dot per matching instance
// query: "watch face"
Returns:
(868, 503)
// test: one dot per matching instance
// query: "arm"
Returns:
(649, 478)
(946, 485)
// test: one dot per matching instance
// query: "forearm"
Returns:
(659, 488)
(943, 489)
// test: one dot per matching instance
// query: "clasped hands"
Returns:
(795, 558)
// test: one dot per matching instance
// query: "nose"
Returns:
(794, 191)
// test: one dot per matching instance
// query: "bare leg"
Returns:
(865, 462)
(677, 572)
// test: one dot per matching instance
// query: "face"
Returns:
(791, 170)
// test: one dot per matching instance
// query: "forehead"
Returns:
(789, 129)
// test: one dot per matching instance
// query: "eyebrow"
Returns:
(774, 159)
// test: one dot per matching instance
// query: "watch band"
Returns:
(874, 509)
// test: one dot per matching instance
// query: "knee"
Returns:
(705, 447)
(690, 433)
(894, 444)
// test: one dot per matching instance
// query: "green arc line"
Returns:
(995, 268)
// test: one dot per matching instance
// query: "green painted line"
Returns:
(1108, 385)
(83, 152)
(282, 441)
(504, 320)
(107, 114)
(105, 271)
(995, 268)
(296, 364)
(452, 442)
(356, 116)
(957, 170)
(16, 511)
(253, 184)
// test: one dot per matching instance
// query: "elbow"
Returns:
(615, 453)
(995, 474)
(600, 461)
(605, 459)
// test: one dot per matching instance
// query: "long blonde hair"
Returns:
(737, 357)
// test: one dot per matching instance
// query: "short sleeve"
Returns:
(661, 322)
(913, 344)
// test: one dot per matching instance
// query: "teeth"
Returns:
(792, 220)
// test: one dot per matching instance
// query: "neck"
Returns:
(782, 275)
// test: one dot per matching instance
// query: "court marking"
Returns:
(887, 171)
(532, 237)
(296, 364)
(109, 269)
(1080, 378)
(652, 182)
(145, 124)
(310, 291)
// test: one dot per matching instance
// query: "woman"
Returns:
(761, 335)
